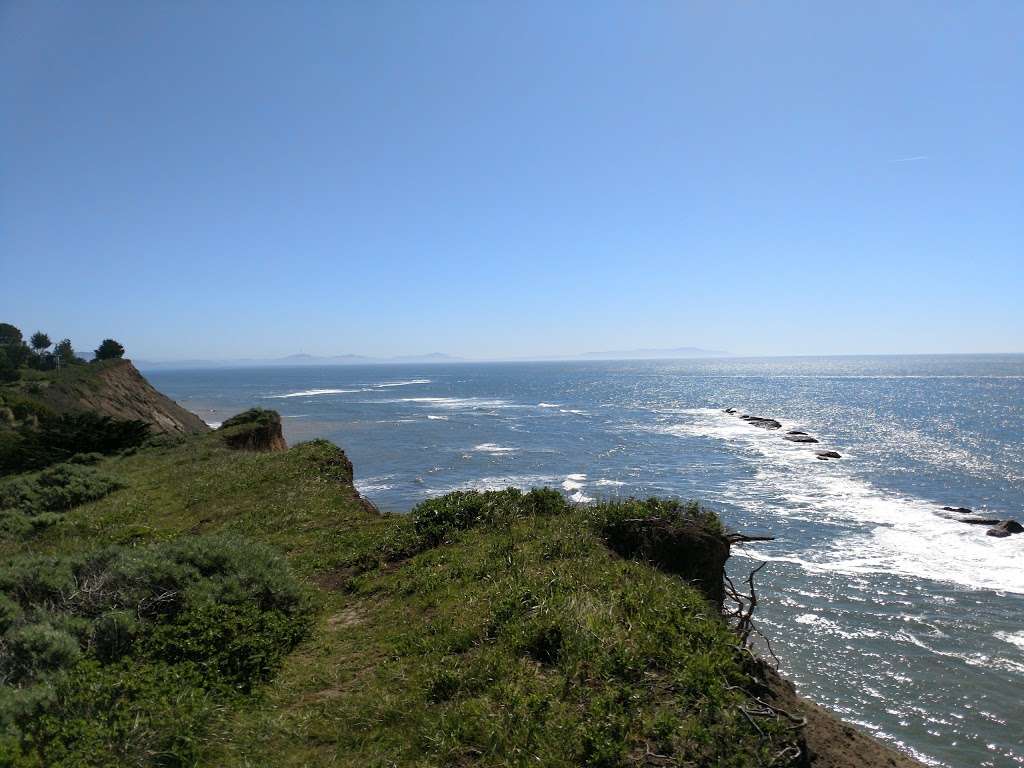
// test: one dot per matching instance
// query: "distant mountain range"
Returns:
(672, 353)
(302, 359)
(296, 360)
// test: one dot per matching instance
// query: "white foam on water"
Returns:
(374, 484)
(573, 482)
(315, 392)
(493, 448)
(573, 411)
(604, 482)
(580, 497)
(454, 403)
(973, 659)
(1013, 638)
(888, 532)
(548, 405)
(434, 417)
(214, 424)
(497, 483)
(407, 383)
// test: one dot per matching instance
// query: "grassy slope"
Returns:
(520, 643)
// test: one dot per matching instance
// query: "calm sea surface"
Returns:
(879, 607)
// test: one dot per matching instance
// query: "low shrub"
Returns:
(151, 635)
(31, 502)
(436, 519)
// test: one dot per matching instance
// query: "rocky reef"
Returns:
(999, 527)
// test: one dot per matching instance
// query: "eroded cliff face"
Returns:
(681, 547)
(115, 388)
(257, 430)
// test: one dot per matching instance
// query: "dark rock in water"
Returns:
(977, 520)
(961, 510)
(828, 455)
(822, 458)
(795, 432)
(800, 438)
(729, 410)
(1005, 528)
(759, 421)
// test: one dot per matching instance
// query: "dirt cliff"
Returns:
(112, 388)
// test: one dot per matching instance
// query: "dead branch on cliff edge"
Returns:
(743, 612)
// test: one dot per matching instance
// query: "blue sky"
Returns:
(490, 179)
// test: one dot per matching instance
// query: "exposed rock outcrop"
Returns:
(828, 454)
(760, 421)
(1005, 528)
(801, 438)
(977, 520)
(258, 430)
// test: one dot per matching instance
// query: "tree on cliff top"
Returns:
(108, 350)
(40, 341)
(66, 353)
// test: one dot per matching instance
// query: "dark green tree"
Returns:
(14, 346)
(8, 371)
(9, 335)
(65, 353)
(40, 341)
(108, 350)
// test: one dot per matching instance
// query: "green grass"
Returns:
(484, 629)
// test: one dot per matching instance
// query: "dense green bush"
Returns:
(124, 649)
(32, 502)
(58, 438)
(436, 519)
(609, 517)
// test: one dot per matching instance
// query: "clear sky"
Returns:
(234, 179)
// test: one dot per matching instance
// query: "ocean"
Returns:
(878, 604)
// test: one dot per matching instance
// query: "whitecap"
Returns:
(496, 483)
(315, 392)
(407, 383)
(604, 482)
(580, 498)
(493, 448)
(548, 405)
(573, 484)
(1013, 638)
(454, 403)
(374, 484)
(434, 417)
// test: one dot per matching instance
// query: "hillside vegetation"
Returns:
(156, 626)
(171, 596)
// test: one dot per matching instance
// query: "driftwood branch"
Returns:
(742, 538)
